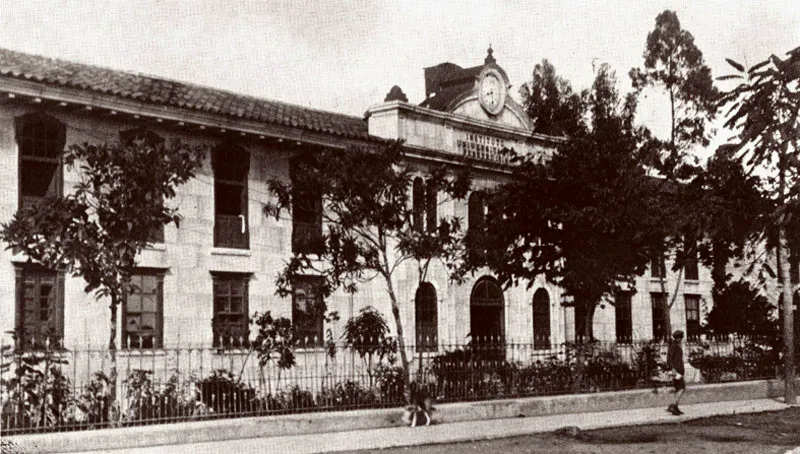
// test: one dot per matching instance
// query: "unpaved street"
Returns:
(767, 433)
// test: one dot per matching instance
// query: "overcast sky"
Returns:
(344, 56)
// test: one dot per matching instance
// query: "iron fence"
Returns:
(57, 389)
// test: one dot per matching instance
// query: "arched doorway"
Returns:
(486, 311)
(541, 319)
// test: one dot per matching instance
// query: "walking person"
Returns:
(675, 364)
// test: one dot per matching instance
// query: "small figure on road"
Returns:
(675, 364)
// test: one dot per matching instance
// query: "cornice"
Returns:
(462, 122)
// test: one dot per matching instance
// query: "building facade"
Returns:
(200, 283)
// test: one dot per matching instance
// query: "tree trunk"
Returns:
(581, 342)
(786, 290)
(664, 302)
(401, 343)
(788, 318)
(112, 351)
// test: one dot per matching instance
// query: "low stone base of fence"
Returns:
(310, 423)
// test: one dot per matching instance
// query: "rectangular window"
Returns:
(624, 319)
(142, 311)
(141, 134)
(306, 212)
(658, 267)
(308, 310)
(692, 303)
(230, 324)
(659, 308)
(39, 307)
(231, 167)
(41, 141)
(690, 266)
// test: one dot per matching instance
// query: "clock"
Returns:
(492, 92)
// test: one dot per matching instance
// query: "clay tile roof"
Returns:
(162, 92)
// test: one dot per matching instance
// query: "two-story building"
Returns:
(201, 282)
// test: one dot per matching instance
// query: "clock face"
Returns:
(492, 94)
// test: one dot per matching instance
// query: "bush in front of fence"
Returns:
(147, 401)
(223, 393)
(747, 361)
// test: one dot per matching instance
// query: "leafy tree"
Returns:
(550, 102)
(365, 334)
(739, 308)
(370, 229)
(763, 108)
(97, 230)
(674, 63)
(590, 227)
(724, 203)
(274, 342)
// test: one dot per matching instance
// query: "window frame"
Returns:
(152, 139)
(658, 267)
(158, 336)
(306, 235)
(218, 277)
(221, 157)
(418, 201)
(308, 336)
(431, 206)
(658, 329)
(57, 143)
(623, 317)
(541, 341)
(426, 303)
(22, 271)
(692, 324)
(691, 269)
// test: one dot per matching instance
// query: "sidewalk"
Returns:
(374, 439)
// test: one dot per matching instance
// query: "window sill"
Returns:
(230, 251)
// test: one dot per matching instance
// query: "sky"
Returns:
(344, 56)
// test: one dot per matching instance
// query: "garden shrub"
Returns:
(224, 394)
(750, 360)
(37, 395)
(150, 402)
(345, 395)
(93, 405)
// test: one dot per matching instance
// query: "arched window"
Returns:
(431, 206)
(41, 142)
(426, 317)
(541, 319)
(418, 204)
(231, 166)
(486, 310)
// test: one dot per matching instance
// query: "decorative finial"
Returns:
(489, 58)
(395, 94)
